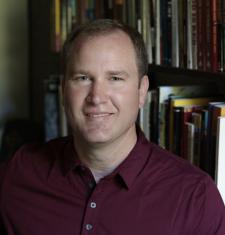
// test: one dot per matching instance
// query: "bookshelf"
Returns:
(173, 30)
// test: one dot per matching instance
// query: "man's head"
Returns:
(103, 27)
(103, 87)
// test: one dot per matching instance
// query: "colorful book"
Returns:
(177, 102)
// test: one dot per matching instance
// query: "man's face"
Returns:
(102, 93)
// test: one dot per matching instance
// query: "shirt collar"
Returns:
(133, 165)
(128, 170)
(70, 161)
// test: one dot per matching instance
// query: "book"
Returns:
(177, 102)
(177, 123)
(51, 104)
(144, 116)
(223, 34)
(186, 117)
(207, 21)
(209, 161)
(200, 34)
(160, 118)
(145, 27)
(175, 34)
(220, 157)
(214, 58)
(166, 34)
(56, 25)
(194, 34)
(131, 13)
(189, 35)
(182, 28)
(217, 111)
(197, 121)
(190, 129)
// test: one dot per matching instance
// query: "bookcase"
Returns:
(184, 40)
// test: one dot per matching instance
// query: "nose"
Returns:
(97, 93)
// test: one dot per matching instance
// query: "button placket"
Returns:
(92, 209)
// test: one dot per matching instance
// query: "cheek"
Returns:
(72, 97)
(127, 100)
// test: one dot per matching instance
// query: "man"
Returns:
(107, 178)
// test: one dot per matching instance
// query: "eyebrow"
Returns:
(110, 73)
(118, 72)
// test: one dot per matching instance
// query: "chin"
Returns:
(96, 139)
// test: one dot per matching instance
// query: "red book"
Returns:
(215, 46)
(208, 35)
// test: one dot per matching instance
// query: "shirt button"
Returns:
(93, 205)
(88, 227)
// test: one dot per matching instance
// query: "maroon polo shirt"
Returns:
(45, 190)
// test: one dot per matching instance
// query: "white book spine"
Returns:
(220, 157)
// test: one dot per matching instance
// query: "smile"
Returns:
(97, 115)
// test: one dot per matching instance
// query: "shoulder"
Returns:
(174, 166)
(192, 191)
(35, 157)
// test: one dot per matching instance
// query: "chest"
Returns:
(70, 208)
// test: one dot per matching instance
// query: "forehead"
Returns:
(116, 43)
(113, 38)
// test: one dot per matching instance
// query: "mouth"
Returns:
(98, 115)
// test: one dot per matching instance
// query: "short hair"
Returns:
(102, 27)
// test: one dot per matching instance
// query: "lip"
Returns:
(97, 114)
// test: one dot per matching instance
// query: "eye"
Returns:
(80, 78)
(116, 78)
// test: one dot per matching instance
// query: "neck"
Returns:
(103, 159)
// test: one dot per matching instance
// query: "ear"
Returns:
(143, 90)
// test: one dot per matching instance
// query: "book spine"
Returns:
(200, 35)
(118, 10)
(177, 125)
(166, 34)
(204, 145)
(208, 33)
(186, 117)
(189, 35)
(145, 21)
(157, 34)
(175, 34)
(131, 13)
(190, 141)
(182, 33)
(223, 34)
(194, 34)
(56, 15)
(220, 35)
(74, 12)
(214, 58)
(64, 18)
(197, 121)
(220, 159)
(51, 113)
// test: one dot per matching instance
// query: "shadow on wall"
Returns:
(14, 100)
(16, 133)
